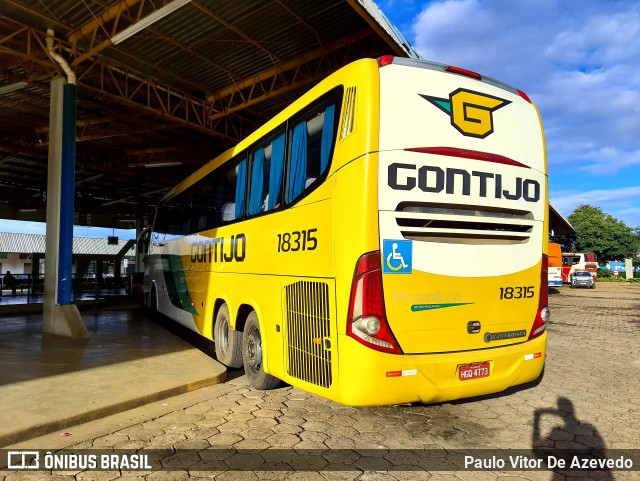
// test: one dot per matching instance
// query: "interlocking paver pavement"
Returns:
(589, 397)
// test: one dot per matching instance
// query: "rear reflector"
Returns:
(367, 318)
(465, 72)
(468, 154)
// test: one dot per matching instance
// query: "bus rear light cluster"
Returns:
(468, 154)
(367, 318)
(543, 314)
(385, 60)
(464, 71)
(524, 96)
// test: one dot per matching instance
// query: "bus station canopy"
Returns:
(163, 86)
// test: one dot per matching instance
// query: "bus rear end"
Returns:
(454, 302)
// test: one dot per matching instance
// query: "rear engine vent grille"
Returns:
(463, 224)
(307, 332)
(349, 115)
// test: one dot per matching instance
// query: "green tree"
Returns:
(599, 232)
(567, 241)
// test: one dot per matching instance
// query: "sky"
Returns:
(578, 60)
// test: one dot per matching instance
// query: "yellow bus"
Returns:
(382, 240)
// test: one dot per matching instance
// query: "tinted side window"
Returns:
(232, 184)
(214, 200)
(267, 167)
(312, 140)
(173, 216)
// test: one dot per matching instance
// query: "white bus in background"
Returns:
(579, 261)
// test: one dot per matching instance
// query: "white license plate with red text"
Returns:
(476, 370)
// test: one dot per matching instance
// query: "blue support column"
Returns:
(60, 317)
(67, 193)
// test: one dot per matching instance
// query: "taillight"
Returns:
(524, 96)
(468, 154)
(385, 60)
(367, 318)
(463, 71)
(543, 313)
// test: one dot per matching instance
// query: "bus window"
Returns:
(267, 166)
(231, 187)
(205, 213)
(310, 150)
(173, 217)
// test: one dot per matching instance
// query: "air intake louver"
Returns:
(463, 224)
(348, 117)
(307, 332)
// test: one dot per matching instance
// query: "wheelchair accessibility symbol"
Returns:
(397, 256)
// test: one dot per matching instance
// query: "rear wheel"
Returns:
(253, 355)
(228, 342)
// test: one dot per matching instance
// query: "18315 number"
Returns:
(303, 240)
(517, 292)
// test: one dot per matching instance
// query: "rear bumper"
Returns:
(369, 377)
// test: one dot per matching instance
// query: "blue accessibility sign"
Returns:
(397, 256)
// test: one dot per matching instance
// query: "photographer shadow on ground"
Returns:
(573, 439)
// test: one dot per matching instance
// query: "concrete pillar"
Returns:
(139, 227)
(628, 265)
(60, 317)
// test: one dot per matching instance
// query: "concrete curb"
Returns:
(30, 432)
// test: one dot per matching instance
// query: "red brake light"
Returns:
(367, 318)
(468, 154)
(542, 314)
(465, 72)
(385, 60)
(524, 96)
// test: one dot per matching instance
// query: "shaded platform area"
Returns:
(24, 302)
(49, 383)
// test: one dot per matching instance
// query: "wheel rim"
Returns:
(222, 335)
(254, 350)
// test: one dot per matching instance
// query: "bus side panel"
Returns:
(308, 336)
(356, 224)
(167, 276)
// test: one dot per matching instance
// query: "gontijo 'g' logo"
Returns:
(470, 111)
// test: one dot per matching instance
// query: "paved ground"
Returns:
(590, 396)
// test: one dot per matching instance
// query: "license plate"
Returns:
(474, 371)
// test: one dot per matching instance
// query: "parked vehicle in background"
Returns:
(555, 265)
(583, 279)
(578, 262)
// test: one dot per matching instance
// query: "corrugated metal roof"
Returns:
(179, 92)
(35, 244)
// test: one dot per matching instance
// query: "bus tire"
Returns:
(253, 356)
(228, 342)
